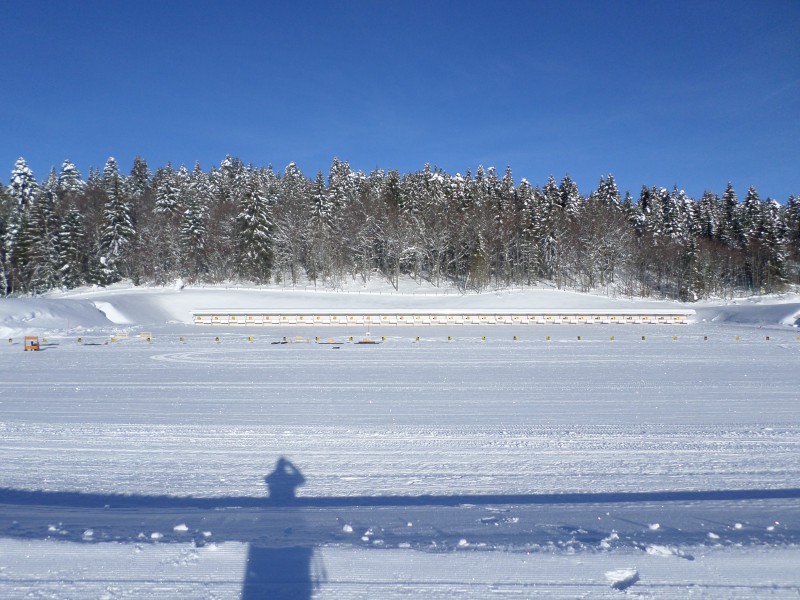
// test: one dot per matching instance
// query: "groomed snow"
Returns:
(662, 463)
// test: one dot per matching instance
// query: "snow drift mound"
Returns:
(21, 316)
(752, 314)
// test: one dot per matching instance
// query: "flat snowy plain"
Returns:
(660, 464)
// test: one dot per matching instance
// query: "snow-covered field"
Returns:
(661, 463)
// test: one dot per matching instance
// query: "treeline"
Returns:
(471, 231)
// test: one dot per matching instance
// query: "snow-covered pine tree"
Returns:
(731, 232)
(139, 180)
(321, 230)
(508, 193)
(676, 222)
(708, 213)
(341, 189)
(194, 224)
(793, 218)
(95, 179)
(118, 231)
(22, 190)
(229, 181)
(607, 193)
(111, 180)
(50, 185)
(5, 209)
(23, 187)
(395, 245)
(752, 215)
(627, 203)
(549, 219)
(43, 227)
(652, 203)
(292, 231)
(69, 180)
(529, 225)
(168, 197)
(570, 198)
(321, 209)
(254, 224)
(72, 256)
(775, 243)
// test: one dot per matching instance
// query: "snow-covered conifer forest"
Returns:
(470, 230)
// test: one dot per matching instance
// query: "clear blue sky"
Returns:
(658, 93)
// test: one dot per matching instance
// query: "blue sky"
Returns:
(657, 93)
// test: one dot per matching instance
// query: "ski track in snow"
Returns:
(494, 431)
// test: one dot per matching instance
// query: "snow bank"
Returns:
(154, 306)
(21, 316)
(122, 304)
(758, 312)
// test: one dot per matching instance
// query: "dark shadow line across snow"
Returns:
(12, 496)
(282, 562)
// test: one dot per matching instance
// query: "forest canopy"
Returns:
(472, 231)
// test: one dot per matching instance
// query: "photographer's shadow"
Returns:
(283, 482)
(280, 564)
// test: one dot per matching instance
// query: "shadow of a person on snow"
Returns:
(283, 482)
(280, 563)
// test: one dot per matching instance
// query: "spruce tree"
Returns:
(752, 217)
(731, 232)
(775, 243)
(22, 187)
(69, 180)
(118, 231)
(72, 257)
(168, 196)
(43, 252)
(569, 197)
(193, 230)
(254, 239)
(139, 180)
(22, 190)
